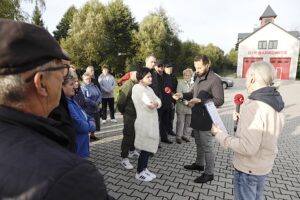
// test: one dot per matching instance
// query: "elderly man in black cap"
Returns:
(35, 162)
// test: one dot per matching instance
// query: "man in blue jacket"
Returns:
(35, 162)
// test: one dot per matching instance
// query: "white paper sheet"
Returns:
(214, 115)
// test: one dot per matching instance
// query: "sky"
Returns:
(203, 21)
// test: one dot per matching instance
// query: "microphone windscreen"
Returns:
(168, 90)
(238, 99)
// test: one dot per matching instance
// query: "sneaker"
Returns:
(143, 176)
(126, 164)
(133, 154)
(114, 120)
(153, 176)
(103, 121)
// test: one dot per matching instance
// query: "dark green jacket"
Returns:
(125, 104)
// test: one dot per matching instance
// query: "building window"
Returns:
(262, 44)
(273, 44)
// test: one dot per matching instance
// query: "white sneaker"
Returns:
(133, 154)
(103, 121)
(143, 177)
(114, 120)
(125, 163)
(153, 176)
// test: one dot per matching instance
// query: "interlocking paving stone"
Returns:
(151, 191)
(162, 193)
(139, 194)
(137, 187)
(176, 190)
(177, 197)
(190, 194)
(152, 197)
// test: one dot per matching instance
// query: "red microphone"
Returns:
(168, 90)
(238, 100)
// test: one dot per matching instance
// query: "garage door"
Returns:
(247, 63)
(282, 66)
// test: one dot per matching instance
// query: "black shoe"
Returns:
(167, 141)
(193, 134)
(194, 166)
(172, 133)
(204, 178)
(178, 140)
(94, 138)
(185, 139)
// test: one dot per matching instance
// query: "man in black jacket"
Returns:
(207, 87)
(35, 161)
(161, 85)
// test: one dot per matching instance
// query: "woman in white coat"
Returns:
(146, 123)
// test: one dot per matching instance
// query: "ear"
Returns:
(40, 84)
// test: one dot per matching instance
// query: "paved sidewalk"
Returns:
(174, 182)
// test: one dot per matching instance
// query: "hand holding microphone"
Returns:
(238, 100)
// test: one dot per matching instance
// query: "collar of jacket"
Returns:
(42, 126)
(204, 76)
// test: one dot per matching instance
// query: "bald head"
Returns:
(150, 61)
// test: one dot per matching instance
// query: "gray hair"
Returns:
(72, 73)
(14, 87)
(187, 71)
(264, 73)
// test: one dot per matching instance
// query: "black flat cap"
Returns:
(169, 65)
(159, 63)
(25, 46)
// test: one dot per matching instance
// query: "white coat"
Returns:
(146, 123)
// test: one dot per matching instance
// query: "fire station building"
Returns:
(270, 43)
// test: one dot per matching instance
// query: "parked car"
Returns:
(226, 82)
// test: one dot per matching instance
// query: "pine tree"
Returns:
(37, 16)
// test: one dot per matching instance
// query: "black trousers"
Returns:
(128, 135)
(111, 105)
(97, 120)
(143, 161)
(164, 122)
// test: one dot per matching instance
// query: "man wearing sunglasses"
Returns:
(35, 162)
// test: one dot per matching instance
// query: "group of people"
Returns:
(46, 115)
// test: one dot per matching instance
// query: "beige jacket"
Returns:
(255, 145)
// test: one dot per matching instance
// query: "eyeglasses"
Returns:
(65, 68)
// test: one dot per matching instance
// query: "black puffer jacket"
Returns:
(34, 163)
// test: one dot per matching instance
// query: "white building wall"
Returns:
(288, 46)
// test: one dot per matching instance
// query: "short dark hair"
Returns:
(204, 58)
(142, 72)
(105, 66)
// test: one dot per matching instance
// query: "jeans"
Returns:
(247, 186)
(143, 161)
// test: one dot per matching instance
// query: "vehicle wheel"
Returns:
(225, 86)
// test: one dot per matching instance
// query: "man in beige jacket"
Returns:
(260, 124)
